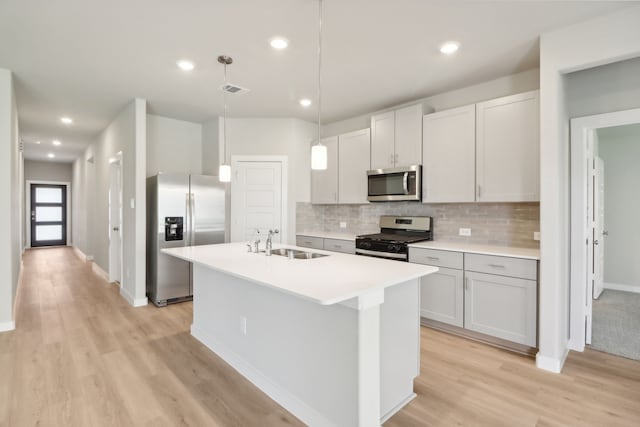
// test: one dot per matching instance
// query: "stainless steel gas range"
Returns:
(396, 233)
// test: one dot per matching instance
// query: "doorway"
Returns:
(115, 219)
(48, 215)
(595, 220)
(258, 198)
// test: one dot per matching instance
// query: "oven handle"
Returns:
(381, 254)
(405, 183)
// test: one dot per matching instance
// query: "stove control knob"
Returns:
(365, 245)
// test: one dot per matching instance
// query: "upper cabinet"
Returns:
(448, 159)
(396, 138)
(486, 152)
(345, 179)
(354, 150)
(324, 183)
(508, 149)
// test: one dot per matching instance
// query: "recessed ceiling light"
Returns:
(279, 43)
(56, 142)
(66, 120)
(305, 102)
(186, 65)
(51, 155)
(449, 47)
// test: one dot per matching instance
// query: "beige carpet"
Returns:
(616, 324)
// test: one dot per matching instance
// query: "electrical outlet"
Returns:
(343, 224)
(243, 325)
(536, 235)
(464, 232)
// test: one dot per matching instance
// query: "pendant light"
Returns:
(319, 151)
(224, 171)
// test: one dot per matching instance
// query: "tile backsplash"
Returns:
(507, 224)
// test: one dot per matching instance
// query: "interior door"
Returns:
(591, 179)
(48, 215)
(598, 238)
(115, 222)
(256, 200)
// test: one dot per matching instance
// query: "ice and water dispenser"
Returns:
(173, 228)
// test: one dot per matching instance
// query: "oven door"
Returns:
(397, 184)
(379, 254)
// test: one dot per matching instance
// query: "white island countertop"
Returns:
(327, 280)
(473, 248)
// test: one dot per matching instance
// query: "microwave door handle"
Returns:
(405, 183)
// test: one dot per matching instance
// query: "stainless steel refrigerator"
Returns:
(182, 210)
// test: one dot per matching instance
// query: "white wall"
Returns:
(47, 171)
(503, 86)
(173, 146)
(277, 136)
(11, 191)
(599, 41)
(210, 147)
(619, 148)
(126, 133)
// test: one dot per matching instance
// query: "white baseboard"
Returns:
(99, 271)
(135, 302)
(79, 253)
(291, 403)
(551, 364)
(622, 287)
(396, 408)
(7, 326)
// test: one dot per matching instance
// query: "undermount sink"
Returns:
(297, 254)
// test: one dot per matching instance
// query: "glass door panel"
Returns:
(48, 215)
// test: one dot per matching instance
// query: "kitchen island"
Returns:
(335, 340)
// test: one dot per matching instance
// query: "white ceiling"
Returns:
(87, 59)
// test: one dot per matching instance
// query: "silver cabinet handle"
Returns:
(435, 258)
(496, 265)
(466, 283)
(116, 228)
(605, 233)
(479, 191)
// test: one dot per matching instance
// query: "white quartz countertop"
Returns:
(326, 280)
(328, 235)
(513, 252)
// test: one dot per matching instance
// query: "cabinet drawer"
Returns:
(503, 266)
(337, 245)
(310, 242)
(447, 259)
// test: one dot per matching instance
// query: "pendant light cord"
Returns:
(319, 65)
(224, 123)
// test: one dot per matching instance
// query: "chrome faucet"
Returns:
(269, 242)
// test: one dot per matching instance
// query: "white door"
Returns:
(256, 200)
(324, 183)
(353, 163)
(115, 221)
(598, 237)
(591, 215)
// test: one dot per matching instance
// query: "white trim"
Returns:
(7, 326)
(582, 129)
(99, 272)
(622, 287)
(291, 403)
(119, 161)
(27, 208)
(284, 161)
(551, 364)
(398, 407)
(79, 253)
(135, 302)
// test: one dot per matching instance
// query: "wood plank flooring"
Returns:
(82, 356)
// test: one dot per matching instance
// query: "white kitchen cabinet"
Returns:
(448, 156)
(396, 138)
(354, 151)
(324, 183)
(309, 241)
(501, 306)
(328, 244)
(508, 149)
(442, 296)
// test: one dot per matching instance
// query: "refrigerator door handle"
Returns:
(193, 219)
(187, 219)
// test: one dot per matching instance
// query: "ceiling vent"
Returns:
(233, 89)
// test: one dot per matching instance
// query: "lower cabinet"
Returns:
(334, 245)
(497, 305)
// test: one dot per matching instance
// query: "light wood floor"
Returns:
(82, 356)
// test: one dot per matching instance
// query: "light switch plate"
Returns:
(343, 224)
(132, 202)
(464, 232)
(536, 235)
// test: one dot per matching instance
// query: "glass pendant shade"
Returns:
(224, 173)
(319, 157)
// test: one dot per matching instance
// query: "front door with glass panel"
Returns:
(48, 215)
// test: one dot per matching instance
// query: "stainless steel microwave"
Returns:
(395, 184)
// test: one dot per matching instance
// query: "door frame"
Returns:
(117, 159)
(283, 160)
(583, 130)
(27, 209)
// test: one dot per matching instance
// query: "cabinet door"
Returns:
(508, 149)
(354, 150)
(382, 140)
(504, 307)
(324, 183)
(408, 136)
(309, 241)
(448, 156)
(339, 245)
(442, 296)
